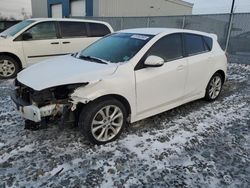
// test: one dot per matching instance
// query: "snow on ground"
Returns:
(199, 144)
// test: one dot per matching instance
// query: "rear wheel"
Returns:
(214, 87)
(102, 121)
(9, 67)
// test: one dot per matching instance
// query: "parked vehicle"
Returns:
(124, 77)
(33, 40)
(5, 24)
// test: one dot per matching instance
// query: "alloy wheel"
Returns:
(107, 123)
(215, 87)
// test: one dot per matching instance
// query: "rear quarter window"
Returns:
(98, 30)
(208, 43)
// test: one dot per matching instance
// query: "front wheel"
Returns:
(102, 121)
(214, 87)
(9, 67)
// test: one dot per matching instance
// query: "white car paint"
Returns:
(42, 49)
(149, 91)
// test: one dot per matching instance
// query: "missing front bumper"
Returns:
(33, 113)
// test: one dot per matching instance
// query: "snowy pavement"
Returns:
(199, 144)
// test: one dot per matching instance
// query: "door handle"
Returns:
(180, 67)
(66, 42)
(54, 43)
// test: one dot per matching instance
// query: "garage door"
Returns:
(77, 7)
(56, 11)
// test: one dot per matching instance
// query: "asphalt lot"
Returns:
(199, 144)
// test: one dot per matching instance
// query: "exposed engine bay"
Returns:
(40, 106)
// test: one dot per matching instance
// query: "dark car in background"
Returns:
(6, 24)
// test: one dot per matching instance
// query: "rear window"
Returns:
(73, 29)
(98, 30)
(193, 44)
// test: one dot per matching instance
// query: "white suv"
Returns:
(34, 40)
(124, 77)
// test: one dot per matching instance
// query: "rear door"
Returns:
(43, 44)
(197, 49)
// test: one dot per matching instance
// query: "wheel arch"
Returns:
(222, 73)
(118, 97)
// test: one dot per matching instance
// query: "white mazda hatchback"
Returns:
(124, 77)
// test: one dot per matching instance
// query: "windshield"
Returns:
(16, 28)
(119, 47)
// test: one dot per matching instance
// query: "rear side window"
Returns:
(208, 43)
(73, 29)
(98, 30)
(168, 47)
(194, 44)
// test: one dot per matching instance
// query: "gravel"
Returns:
(199, 144)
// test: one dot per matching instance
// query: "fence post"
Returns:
(229, 31)
(183, 22)
(148, 22)
(121, 23)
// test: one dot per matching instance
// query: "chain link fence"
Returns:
(237, 39)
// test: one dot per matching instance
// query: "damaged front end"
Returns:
(38, 106)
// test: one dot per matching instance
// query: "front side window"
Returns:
(16, 28)
(169, 47)
(44, 30)
(118, 47)
(193, 44)
(73, 29)
(98, 30)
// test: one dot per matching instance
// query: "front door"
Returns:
(157, 87)
(43, 44)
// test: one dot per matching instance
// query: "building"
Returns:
(109, 8)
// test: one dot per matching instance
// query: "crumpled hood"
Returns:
(63, 70)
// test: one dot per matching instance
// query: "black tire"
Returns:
(90, 111)
(208, 96)
(13, 67)
(31, 125)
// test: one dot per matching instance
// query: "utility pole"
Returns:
(232, 7)
(230, 25)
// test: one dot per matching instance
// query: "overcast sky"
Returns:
(13, 8)
(219, 6)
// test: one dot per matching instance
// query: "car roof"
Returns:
(157, 31)
(66, 19)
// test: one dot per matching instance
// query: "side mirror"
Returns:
(154, 61)
(27, 36)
